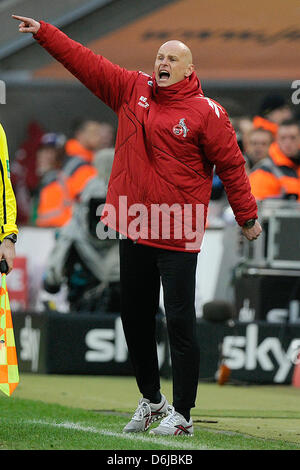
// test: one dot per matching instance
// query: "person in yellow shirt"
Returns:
(8, 207)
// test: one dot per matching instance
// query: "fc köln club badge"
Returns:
(181, 128)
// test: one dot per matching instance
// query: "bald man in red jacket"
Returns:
(170, 137)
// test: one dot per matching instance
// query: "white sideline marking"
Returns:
(78, 427)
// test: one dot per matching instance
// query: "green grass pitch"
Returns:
(89, 412)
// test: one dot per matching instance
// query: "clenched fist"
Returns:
(253, 232)
(27, 25)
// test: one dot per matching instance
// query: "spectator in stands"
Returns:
(243, 126)
(108, 136)
(88, 137)
(60, 187)
(50, 154)
(278, 175)
(49, 157)
(259, 142)
(274, 109)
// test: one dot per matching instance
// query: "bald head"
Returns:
(182, 49)
(173, 63)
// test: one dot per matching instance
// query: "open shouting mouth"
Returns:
(164, 75)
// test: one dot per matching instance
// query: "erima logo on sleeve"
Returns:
(143, 102)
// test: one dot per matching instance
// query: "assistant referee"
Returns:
(8, 207)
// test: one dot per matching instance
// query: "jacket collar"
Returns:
(186, 88)
(279, 158)
(74, 148)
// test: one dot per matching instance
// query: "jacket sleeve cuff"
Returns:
(41, 32)
(242, 220)
(8, 229)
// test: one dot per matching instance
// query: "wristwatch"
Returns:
(12, 237)
(250, 223)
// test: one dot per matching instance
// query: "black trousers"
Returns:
(141, 268)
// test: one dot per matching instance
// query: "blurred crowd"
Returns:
(59, 183)
(270, 143)
(49, 171)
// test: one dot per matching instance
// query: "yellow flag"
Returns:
(9, 372)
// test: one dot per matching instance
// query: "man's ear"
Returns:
(190, 69)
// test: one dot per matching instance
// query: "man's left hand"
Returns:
(253, 232)
(8, 252)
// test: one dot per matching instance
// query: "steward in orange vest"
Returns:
(273, 110)
(60, 188)
(278, 176)
(89, 137)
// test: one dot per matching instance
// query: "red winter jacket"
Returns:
(168, 141)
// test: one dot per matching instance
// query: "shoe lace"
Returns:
(171, 418)
(141, 411)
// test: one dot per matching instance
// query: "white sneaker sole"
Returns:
(153, 420)
(153, 433)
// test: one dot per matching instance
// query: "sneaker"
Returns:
(146, 413)
(174, 425)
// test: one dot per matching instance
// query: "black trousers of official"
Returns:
(141, 268)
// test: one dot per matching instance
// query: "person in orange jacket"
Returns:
(278, 175)
(274, 109)
(89, 137)
(61, 187)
